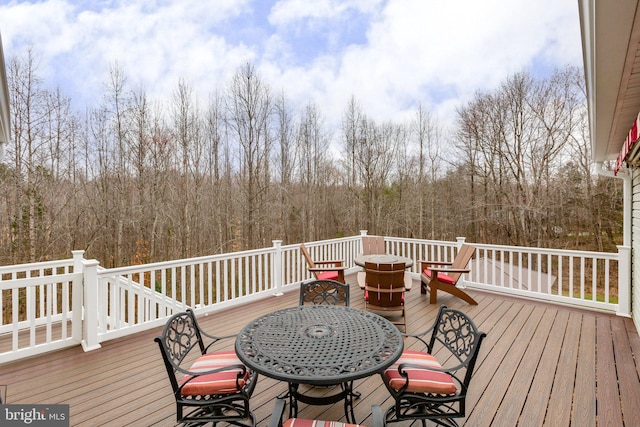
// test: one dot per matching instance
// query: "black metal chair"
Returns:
(278, 411)
(424, 389)
(328, 292)
(216, 386)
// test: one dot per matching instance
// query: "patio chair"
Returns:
(444, 276)
(361, 279)
(373, 245)
(384, 291)
(324, 292)
(278, 411)
(423, 388)
(329, 292)
(324, 270)
(215, 386)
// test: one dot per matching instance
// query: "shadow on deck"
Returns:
(539, 365)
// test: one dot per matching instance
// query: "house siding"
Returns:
(635, 247)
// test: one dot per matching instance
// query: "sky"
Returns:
(391, 55)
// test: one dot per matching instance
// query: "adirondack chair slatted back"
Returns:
(384, 290)
(373, 245)
(307, 257)
(461, 260)
(324, 269)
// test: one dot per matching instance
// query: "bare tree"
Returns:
(427, 135)
(312, 149)
(128, 182)
(220, 183)
(248, 103)
(285, 161)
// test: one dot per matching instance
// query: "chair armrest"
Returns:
(327, 269)
(425, 263)
(450, 270)
(361, 278)
(338, 263)
(421, 337)
(403, 366)
(214, 339)
(408, 281)
(378, 416)
(278, 411)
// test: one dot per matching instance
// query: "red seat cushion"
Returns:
(300, 422)
(443, 277)
(427, 379)
(328, 275)
(219, 383)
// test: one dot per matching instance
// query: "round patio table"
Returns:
(382, 259)
(319, 345)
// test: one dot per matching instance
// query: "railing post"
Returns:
(277, 267)
(77, 298)
(90, 341)
(624, 281)
(460, 241)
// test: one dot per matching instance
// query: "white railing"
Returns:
(577, 278)
(51, 305)
(41, 307)
(134, 298)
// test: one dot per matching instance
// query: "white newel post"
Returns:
(77, 301)
(90, 341)
(624, 281)
(278, 266)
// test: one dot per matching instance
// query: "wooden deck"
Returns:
(540, 365)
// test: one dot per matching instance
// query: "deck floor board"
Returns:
(540, 364)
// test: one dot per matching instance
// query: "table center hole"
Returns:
(318, 331)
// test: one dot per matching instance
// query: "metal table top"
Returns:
(319, 345)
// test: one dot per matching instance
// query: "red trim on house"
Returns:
(631, 139)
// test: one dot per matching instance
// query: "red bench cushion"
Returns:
(425, 380)
(219, 383)
(443, 277)
(328, 275)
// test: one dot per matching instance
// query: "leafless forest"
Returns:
(134, 180)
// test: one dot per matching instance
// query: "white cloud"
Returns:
(155, 48)
(455, 48)
(286, 12)
(399, 52)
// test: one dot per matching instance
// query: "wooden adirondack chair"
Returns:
(384, 291)
(324, 270)
(443, 276)
(373, 245)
